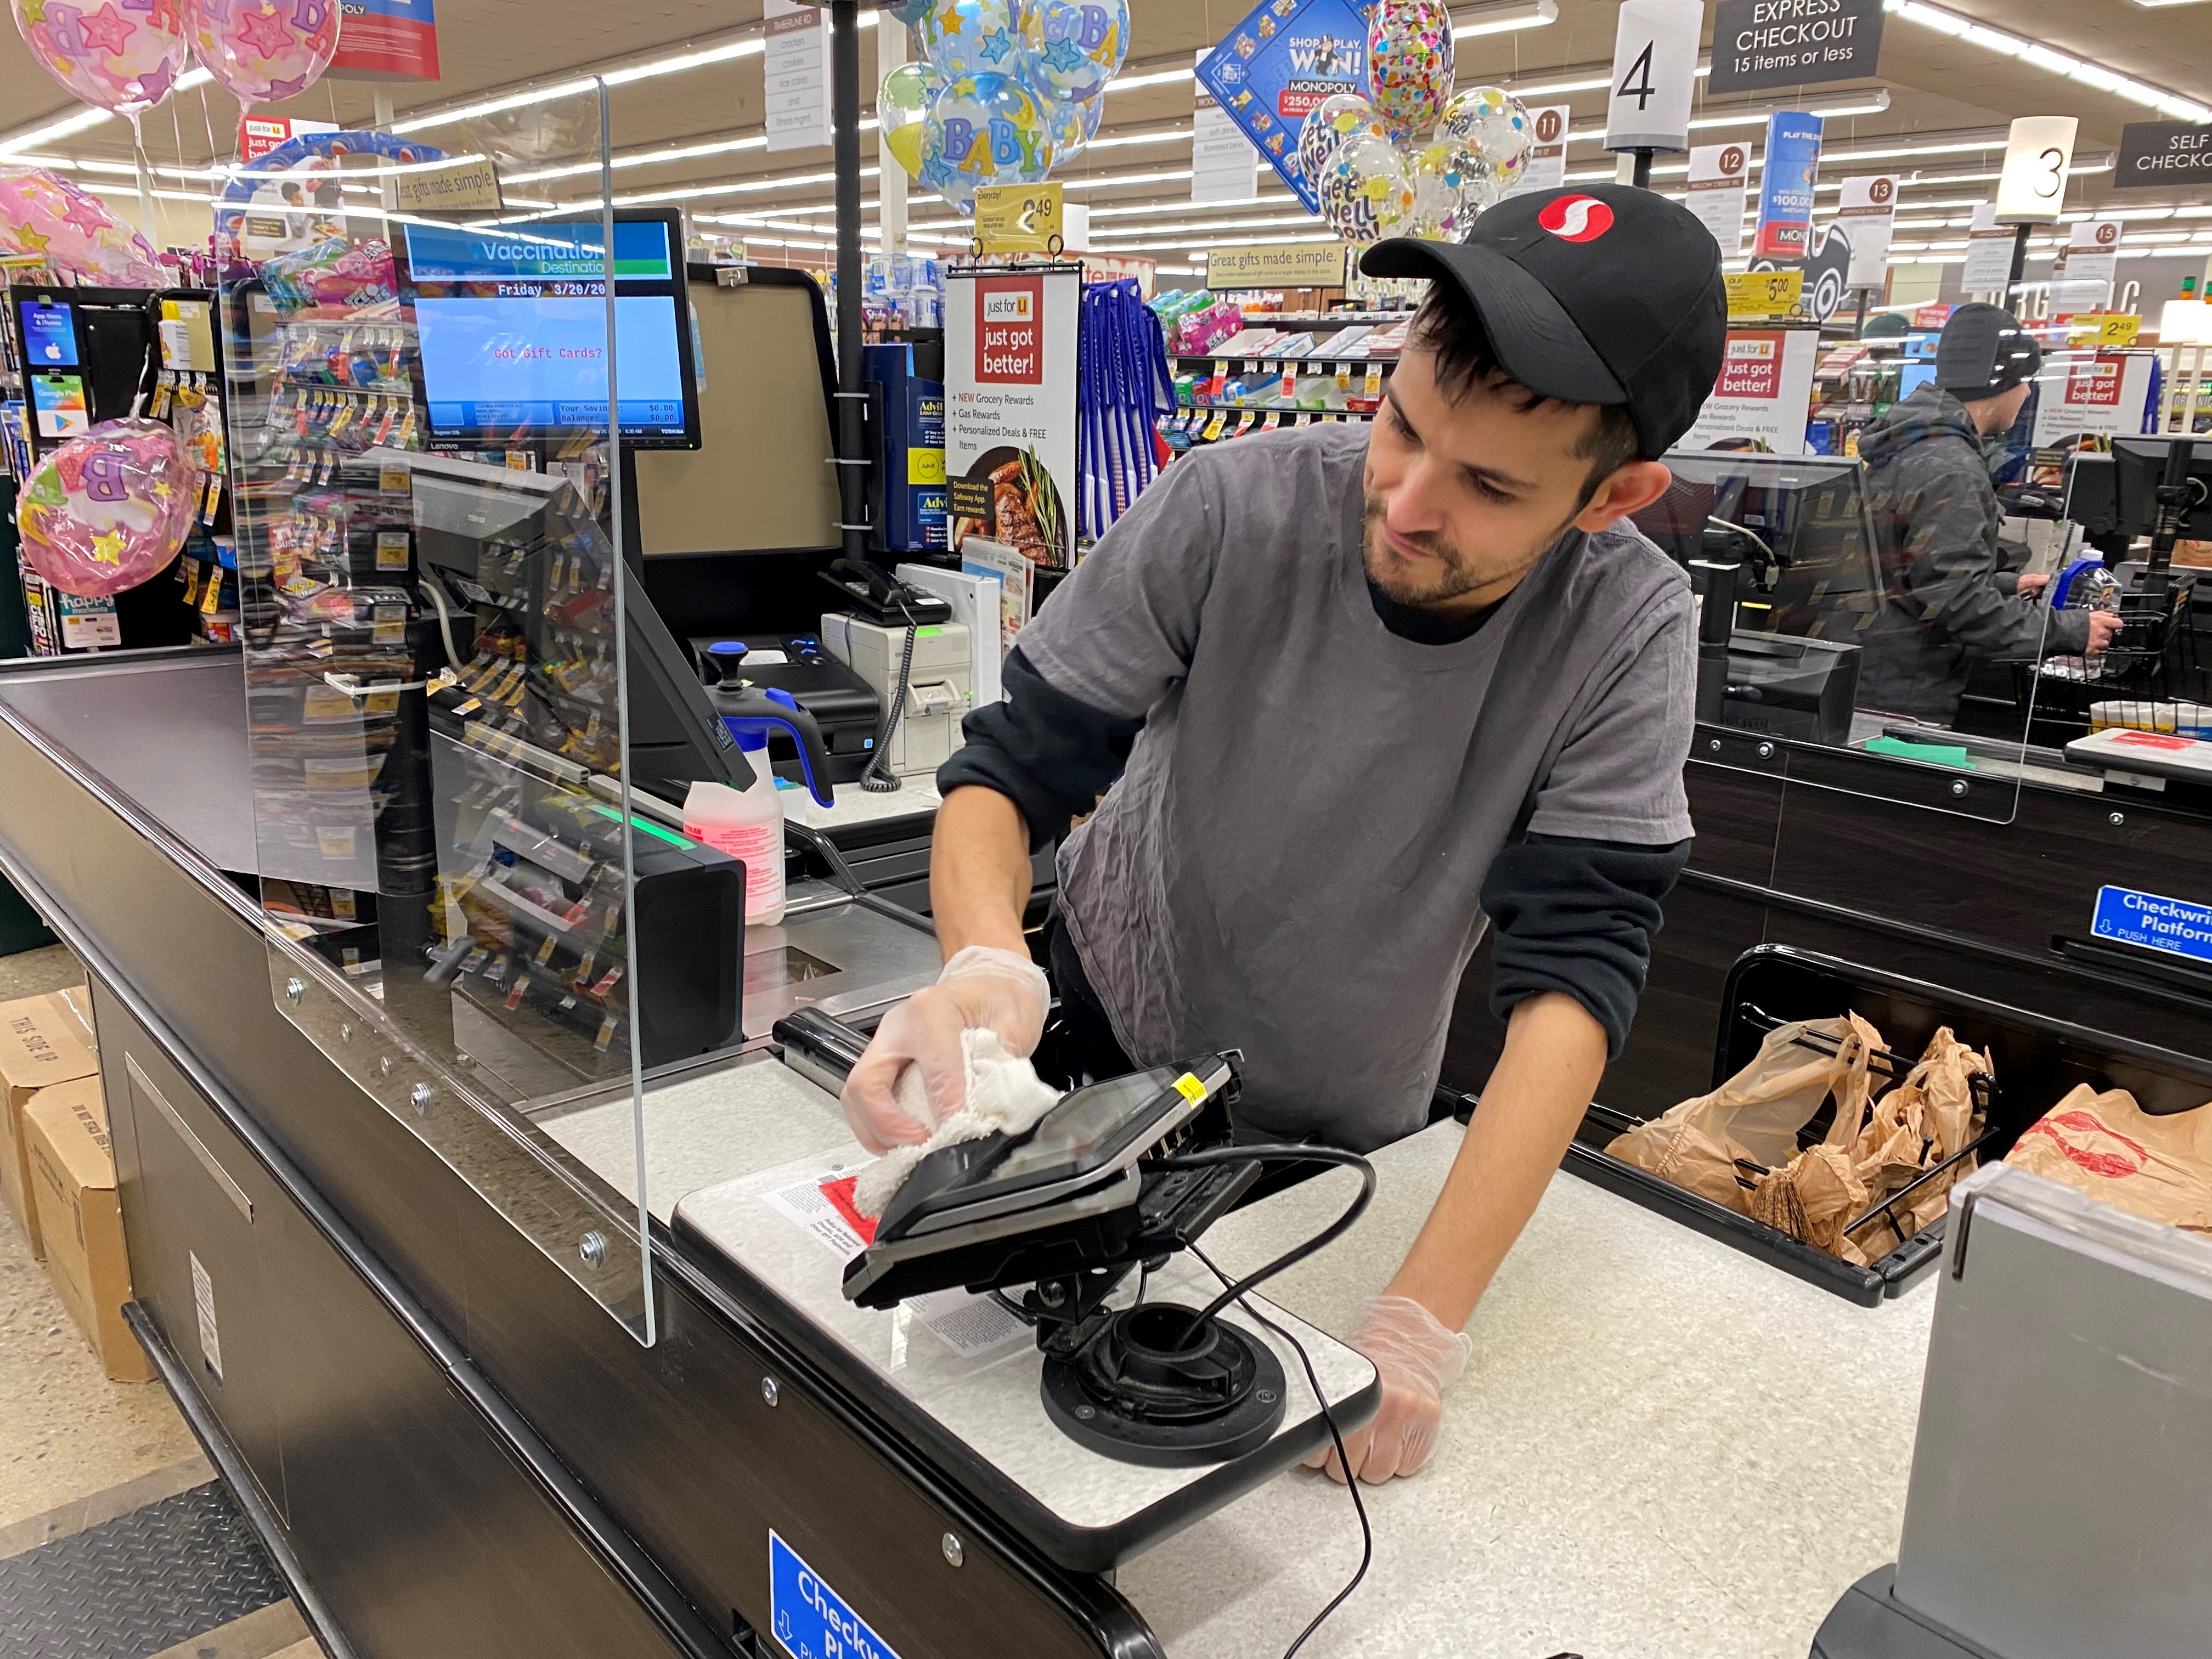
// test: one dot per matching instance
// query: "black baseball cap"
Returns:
(1604, 293)
(1984, 351)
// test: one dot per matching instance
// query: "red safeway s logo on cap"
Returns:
(1577, 218)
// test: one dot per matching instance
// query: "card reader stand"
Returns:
(1176, 1427)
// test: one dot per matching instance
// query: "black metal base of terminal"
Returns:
(1142, 1392)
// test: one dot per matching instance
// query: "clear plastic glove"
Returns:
(980, 986)
(1417, 1358)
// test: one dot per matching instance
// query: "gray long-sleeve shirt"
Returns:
(1946, 601)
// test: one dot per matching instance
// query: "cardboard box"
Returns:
(73, 1186)
(43, 1041)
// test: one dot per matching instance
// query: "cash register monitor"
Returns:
(2138, 468)
(676, 738)
(513, 324)
(1800, 528)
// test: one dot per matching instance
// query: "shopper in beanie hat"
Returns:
(1947, 600)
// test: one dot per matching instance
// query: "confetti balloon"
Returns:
(902, 105)
(1076, 46)
(120, 55)
(1073, 126)
(974, 37)
(1365, 192)
(1332, 121)
(45, 215)
(262, 51)
(105, 512)
(1409, 60)
(1447, 191)
(988, 130)
(1496, 125)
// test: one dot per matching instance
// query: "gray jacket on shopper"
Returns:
(1945, 601)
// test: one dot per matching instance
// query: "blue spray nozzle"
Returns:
(752, 713)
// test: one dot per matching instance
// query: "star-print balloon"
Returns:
(1078, 45)
(44, 214)
(262, 51)
(120, 55)
(107, 510)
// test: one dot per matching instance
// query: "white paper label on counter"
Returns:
(820, 1205)
(204, 1305)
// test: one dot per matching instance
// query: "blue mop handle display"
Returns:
(756, 711)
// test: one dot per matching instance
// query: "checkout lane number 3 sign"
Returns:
(810, 1620)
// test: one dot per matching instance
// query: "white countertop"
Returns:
(1662, 1447)
(857, 806)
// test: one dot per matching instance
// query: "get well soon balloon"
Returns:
(262, 51)
(106, 511)
(120, 55)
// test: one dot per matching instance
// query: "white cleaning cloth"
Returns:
(1005, 1095)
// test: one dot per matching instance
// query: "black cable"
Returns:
(1205, 1157)
(879, 779)
(1344, 1462)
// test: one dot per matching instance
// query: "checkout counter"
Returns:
(479, 1216)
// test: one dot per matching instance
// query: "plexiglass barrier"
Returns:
(426, 456)
(1852, 634)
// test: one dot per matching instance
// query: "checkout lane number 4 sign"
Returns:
(809, 1619)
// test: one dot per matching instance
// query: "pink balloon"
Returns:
(42, 213)
(263, 50)
(105, 512)
(123, 55)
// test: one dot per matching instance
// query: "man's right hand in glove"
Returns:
(980, 986)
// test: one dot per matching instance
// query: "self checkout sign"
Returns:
(1655, 69)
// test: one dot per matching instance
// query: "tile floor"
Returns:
(77, 1450)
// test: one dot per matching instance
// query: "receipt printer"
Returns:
(845, 710)
(940, 683)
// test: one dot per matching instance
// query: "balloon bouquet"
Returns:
(126, 59)
(1006, 89)
(1372, 177)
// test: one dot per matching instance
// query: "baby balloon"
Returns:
(106, 511)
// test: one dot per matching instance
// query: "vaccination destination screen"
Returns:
(512, 326)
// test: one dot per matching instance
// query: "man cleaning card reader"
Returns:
(1332, 701)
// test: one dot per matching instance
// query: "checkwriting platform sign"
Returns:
(2153, 922)
(808, 1618)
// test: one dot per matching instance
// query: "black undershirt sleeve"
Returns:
(1050, 754)
(1578, 916)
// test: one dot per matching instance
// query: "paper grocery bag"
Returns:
(1753, 1118)
(2107, 1147)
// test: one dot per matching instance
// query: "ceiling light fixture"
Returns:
(2044, 58)
(1503, 17)
(78, 120)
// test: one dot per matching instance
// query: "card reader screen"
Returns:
(1089, 1127)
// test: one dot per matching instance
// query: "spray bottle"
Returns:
(748, 823)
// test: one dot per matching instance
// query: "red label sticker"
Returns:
(840, 1195)
(1010, 331)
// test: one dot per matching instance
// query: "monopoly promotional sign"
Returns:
(1277, 64)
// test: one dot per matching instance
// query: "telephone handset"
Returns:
(882, 599)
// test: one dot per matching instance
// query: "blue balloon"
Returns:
(974, 37)
(988, 130)
(1073, 127)
(1077, 44)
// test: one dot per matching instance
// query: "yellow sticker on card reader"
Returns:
(1190, 1088)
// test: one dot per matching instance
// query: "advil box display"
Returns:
(73, 1186)
(913, 509)
(43, 1041)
